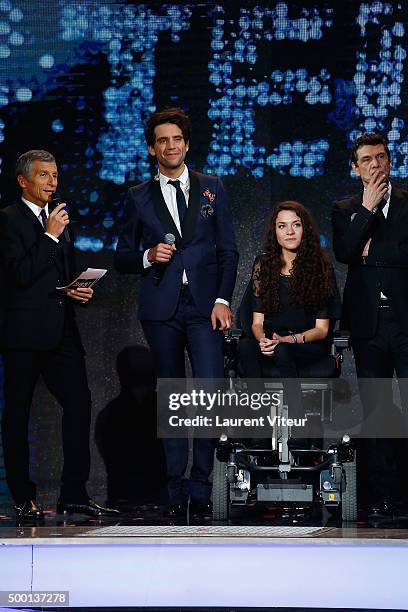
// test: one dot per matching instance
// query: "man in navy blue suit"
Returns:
(186, 286)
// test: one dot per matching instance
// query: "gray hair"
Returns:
(23, 165)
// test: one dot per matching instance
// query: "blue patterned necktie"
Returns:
(181, 200)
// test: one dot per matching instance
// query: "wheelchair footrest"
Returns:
(288, 492)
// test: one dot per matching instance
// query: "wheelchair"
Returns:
(276, 475)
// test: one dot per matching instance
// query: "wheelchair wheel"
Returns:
(349, 493)
(220, 491)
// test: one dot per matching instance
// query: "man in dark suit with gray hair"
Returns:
(40, 337)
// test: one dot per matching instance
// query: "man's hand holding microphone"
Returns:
(161, 254)
(57, 221)
(163, 251)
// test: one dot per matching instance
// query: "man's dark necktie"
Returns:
(181, 200)
(380, 213)
(43, 217)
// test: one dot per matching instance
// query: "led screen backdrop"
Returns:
(276, 92)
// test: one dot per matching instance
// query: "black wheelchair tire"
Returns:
(220, 491)
(349, 492)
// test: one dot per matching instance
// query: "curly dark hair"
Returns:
(312, 280)
(169, 115)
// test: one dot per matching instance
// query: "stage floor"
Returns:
(147, 522)
(145, 560)
(153, 515)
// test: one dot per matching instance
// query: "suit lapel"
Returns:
(164, 216)
(190, 219)
(29, 215)
(397, 205)
(33, 219)
(162, 212)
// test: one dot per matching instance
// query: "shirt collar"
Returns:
(35, 208)
(183, 178)
(388, 194)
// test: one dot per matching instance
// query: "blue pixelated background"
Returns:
(276, 92)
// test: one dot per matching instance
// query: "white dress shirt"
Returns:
(387, 198)
(37, 210)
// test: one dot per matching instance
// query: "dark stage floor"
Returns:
(254, 519)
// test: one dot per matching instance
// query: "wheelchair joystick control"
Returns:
(223, 448)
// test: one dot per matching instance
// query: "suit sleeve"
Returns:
(128, 257)
(350, 232)
(226, 250)
(23, 263)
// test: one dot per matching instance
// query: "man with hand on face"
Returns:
(40, 337)
(186, 286)
(371, 236)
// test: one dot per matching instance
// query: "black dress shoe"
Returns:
(178, 509)
(29, 510)
(200, 508)
(381, 509)
(89, 508)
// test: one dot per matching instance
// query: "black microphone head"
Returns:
(56, 198)
(169, 239)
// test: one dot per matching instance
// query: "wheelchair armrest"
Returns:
(233, 334)
(341, 339)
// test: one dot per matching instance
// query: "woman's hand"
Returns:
(279, 338)
(267, 346)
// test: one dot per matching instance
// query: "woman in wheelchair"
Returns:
(294, 298)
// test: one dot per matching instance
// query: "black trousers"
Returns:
(64, 373)
(382, 459)
(288, 359)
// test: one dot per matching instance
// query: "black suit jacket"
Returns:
(384, 269)
(32, 265)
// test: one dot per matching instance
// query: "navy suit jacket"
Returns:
(206, 250)
(384, 269)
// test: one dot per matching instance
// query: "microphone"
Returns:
(169, 239)
(159, 268)
(55, 200)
